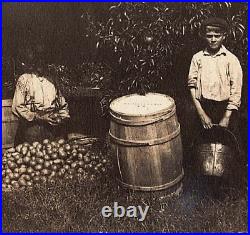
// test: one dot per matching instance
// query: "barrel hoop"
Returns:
(10, 121)
(143, 123)
(145, 142)
(152, 188)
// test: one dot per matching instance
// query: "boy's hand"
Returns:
(46, 118)
(224, 122)
(58, 119)
(205, 120)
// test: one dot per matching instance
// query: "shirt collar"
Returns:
(222, 51)
(40, 79)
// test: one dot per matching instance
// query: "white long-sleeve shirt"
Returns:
(217, 77)
(41, 92)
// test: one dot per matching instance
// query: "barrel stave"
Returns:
(147, 132)
(147, 150)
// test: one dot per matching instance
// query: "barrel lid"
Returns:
(141, 105)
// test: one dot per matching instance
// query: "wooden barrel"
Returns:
(9, 124)
(146, 142)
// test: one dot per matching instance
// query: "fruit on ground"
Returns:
(29, 164)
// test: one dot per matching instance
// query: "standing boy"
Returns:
(215, 78)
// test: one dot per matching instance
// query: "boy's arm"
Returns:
(64, 107)
(205, 120)
(226, 118)
(19, 107)
(193, 73)
(235, 73)
(192, 84)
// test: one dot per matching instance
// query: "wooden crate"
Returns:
(9, 124)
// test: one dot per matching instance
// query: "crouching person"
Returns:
(38, 103)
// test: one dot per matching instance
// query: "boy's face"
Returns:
(214, 39)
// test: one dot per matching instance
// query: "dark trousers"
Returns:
(216, 110)
(37, 131)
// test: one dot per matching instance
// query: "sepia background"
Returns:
(101, 51)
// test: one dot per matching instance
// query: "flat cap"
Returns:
(216, 22)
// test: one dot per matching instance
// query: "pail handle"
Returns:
(224, 129)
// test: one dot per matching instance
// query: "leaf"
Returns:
(240, 26)
(123, 42)
(191, 20)
(125, 14)
(112, 8)
(228, 4)
(167, 31)
(234, 34)
(117, 39)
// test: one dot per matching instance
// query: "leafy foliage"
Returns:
(145, 39)
(86, 74)
(8, 72)
(68, 78)
(143, 46)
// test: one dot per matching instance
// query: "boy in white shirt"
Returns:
(215, 78)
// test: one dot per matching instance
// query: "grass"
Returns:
(75, 206)
(206, 205)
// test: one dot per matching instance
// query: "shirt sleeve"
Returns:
(193, 73)
(19, 107)
(64, 107)
(235, 73)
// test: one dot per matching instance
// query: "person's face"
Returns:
(214, 39)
